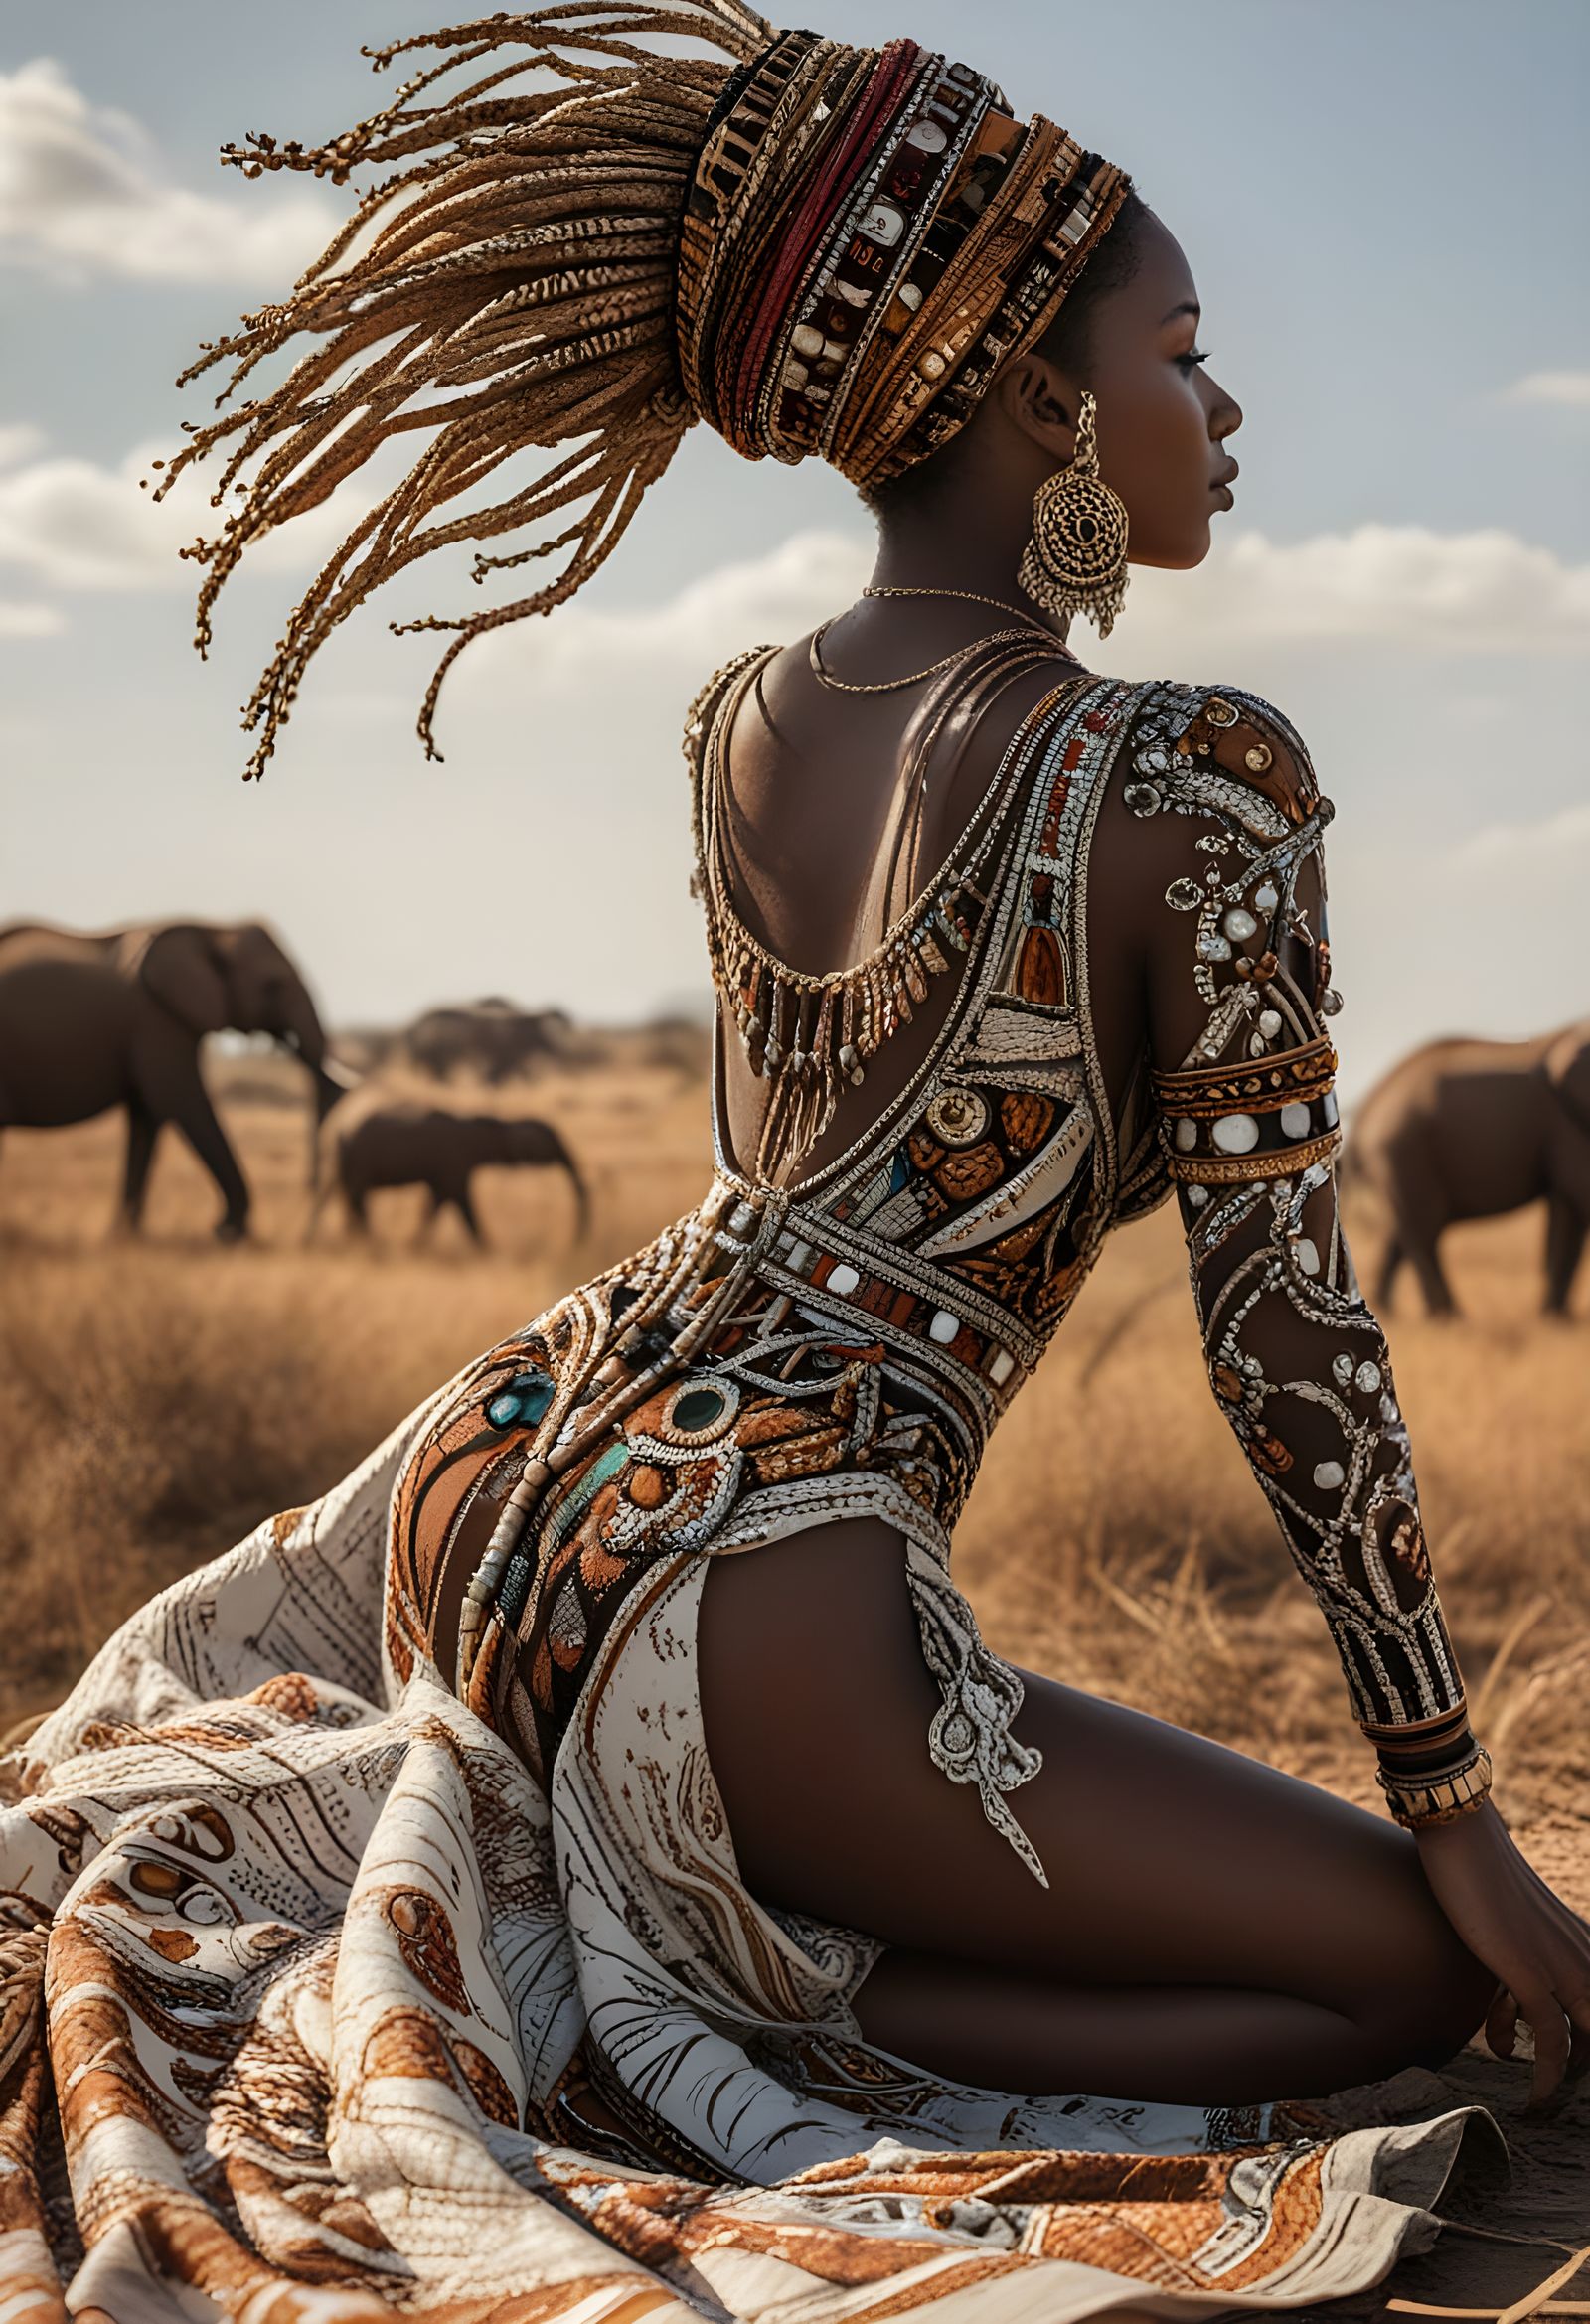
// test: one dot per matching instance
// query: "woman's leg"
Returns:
(1213, 1930)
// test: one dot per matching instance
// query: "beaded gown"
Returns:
(406, 1956)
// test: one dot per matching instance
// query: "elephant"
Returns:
(494, 1037)
(1467, 1129)
(91, 1021)
(406, 1144)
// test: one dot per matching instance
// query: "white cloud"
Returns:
(1398, 585)
(70, 524)
(1557, 846)
(28, 621)
(778, 596)
(1416, 948)
(82, 193)
(18, 441)
(1570, 387)
(73, 525)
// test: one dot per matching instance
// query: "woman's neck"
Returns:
(934, 547)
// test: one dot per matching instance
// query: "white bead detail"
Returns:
(1369, 1377)
(1197, 1196)
(1294, 1120)
(842, 1280)
(1235, 1133)
(1266, 897)
(1270, 1023)
(1000, 1371)
(1187, 1135)
(1329, 1474)
(943, 1327)
(1239, 925)
(1308, 1255)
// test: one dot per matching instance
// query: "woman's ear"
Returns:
(1041, 402)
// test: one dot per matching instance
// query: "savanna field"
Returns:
(158, 1397)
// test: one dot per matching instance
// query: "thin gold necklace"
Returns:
(913, 676)
(966, 597)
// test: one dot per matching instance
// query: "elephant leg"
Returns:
(143, 1132)
(1566, 1230)
(1426, 1259)
(434, 1198)
(358, 1212)
(464, 1202)
(1419, 1212)
(195, 1117)
(1391, 1265)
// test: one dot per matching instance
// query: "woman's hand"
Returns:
(1508, 1919)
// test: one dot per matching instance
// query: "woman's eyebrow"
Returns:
(1188, 306)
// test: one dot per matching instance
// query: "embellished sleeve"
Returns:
(1242, 1072)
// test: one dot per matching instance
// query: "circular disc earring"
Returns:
(1075, 561)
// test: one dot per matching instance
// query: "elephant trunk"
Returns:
(299, 1027)
(581, 1198)
(552, 1149)
(330, 1082)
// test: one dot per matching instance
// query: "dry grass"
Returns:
(157, 1398)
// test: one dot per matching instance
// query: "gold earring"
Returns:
(1075, 561)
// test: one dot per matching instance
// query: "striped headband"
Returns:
(867, 235)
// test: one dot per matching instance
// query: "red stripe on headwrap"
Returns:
(889, 82)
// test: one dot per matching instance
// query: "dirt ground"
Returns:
(158, 1397)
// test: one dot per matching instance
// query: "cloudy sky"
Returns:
(1385, 205)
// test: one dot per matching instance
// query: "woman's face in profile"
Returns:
(1161, 417)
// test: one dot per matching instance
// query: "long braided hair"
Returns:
(513, 292)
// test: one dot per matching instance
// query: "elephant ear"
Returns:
(182, 969)
(1568, 1072)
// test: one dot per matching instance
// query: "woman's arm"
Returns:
(1238, 976)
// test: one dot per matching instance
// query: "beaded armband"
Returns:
(1433, 1771)
(1226, 1124)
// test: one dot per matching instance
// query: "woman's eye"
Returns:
(1195, 355)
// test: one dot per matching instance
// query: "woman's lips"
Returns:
(1224, 481)
(1227, 495)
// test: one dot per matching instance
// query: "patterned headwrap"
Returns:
(869, 234)
(592, 243)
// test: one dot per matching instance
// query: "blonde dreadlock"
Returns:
(519, 296)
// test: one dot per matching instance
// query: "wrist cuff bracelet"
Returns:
(1438, 1798)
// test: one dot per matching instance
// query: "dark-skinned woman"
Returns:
(590, 1865)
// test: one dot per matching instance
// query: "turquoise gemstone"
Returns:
(522, 1402)
(534, 1391)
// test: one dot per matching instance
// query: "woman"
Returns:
(685, 1911)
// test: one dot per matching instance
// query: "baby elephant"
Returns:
(402, 1144)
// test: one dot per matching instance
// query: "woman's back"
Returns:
(843, 800)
